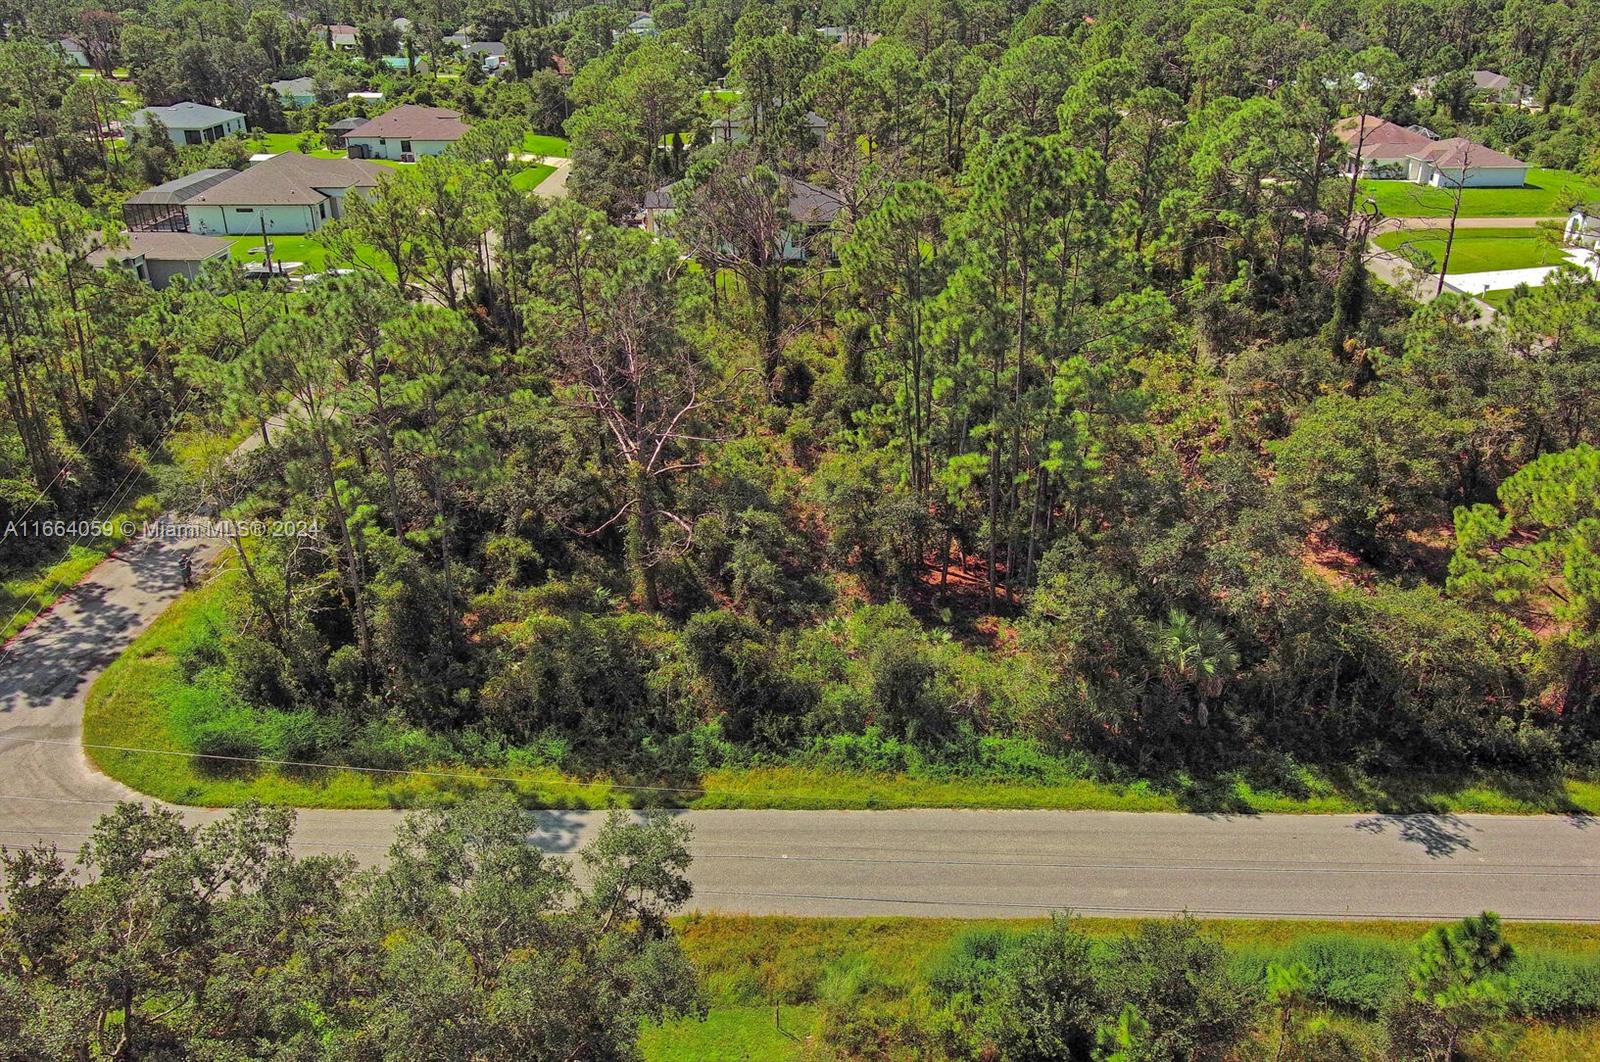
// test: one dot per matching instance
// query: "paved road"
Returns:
(967, 863)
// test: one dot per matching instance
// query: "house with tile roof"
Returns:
(1382, 147)
(189, 122)
(288, 193)
(1457, 162)
(406, 133)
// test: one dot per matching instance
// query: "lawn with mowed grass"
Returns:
(1547, 193)
(278, 143)
(531, 177)
(544, 144)
(1479, 250)
(306, 250)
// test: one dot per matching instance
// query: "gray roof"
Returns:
(344, 125)
(185, 115)
(294, 86)
(181, 189)
(486, 48)
(290, 179)
(163, 247)
(808, 203)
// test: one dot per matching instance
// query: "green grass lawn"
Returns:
(530, 177)
(1548, 193)
(1479, 250)
(542, 144)
(277, 143)
(304, 249)
(134, 704)
(27, 590)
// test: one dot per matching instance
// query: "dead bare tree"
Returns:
(625, 358)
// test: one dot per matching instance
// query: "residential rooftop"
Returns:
(290, 179)
(410, 121)
(185, 115)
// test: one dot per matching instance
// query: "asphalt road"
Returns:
(938, 863)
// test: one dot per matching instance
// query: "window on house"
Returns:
(244, 210)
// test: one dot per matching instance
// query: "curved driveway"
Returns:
(968, 863)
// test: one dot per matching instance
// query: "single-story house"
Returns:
(191, 123)
(73, 52)
(1498, 87)
(643, 25)
(1459, 163)
(400, 62)
(342, 37)
(370, 97)
(735, 129)
(344, 125)
(491, 54)
(294, 90)
(1583, 226)
(1383, 146)
(811, 209)
(460, 38)
(288, 193)
(405, 133)
(161, 208)
(157, 257)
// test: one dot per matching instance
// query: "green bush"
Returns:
(1350, 972)
(1555, 986)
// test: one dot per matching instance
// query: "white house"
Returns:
(73, 52)
(288, 193)
(191, 123)
(1383, 146)
(1459, 163)
(811, 210)
(406, 133)
(296, 91)
(1583, 226)
(157, 257)
(491, 54)
(735, 128)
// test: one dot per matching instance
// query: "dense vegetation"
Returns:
(218, 942)
(1077, 443)
(792, 988)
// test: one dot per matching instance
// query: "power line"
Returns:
(143, 369)
(1108, 910)
(106, 508)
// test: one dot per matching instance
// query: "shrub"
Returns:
(1177, 978)
(1350, 972)
(1555, 986)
